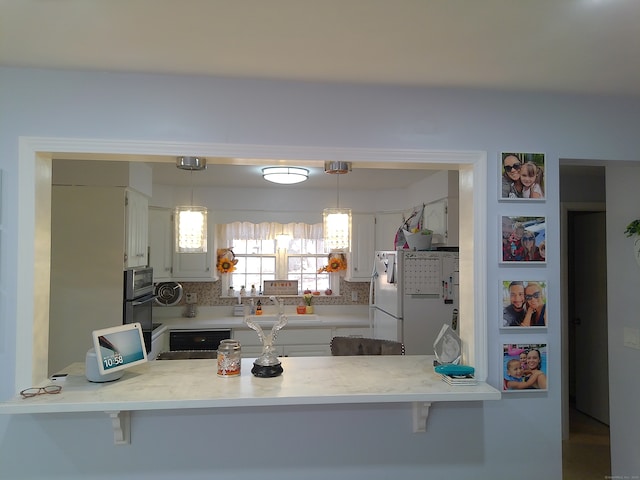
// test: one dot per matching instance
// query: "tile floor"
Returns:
(586, 454)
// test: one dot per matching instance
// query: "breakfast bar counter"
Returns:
(184, 384)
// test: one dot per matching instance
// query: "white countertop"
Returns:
(182, 384)
(221, 318)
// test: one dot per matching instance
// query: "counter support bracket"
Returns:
(420, 415)
(121, 423)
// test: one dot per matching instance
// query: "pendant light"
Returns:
(191, 221)
(336, 222)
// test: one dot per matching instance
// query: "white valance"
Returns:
(228, 232)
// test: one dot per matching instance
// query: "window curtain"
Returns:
(227, 232)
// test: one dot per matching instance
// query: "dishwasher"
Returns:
(193, 344)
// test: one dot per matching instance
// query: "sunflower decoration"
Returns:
(337, 263)
(226, 260)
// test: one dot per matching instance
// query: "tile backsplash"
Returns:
(210, 294)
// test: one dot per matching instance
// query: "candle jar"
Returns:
(229, 358)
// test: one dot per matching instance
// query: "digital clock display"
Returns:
(112, 360)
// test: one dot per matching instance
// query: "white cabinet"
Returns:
(306, 350)
(360, 265)
(170, 265)
(387, 225)
(290, 342)
(360, 332)
(161, 243)
(158, 345)
(435, 218)
(137, 229)
(194, 265)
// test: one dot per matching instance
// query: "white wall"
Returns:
(623, 284)
(493, 437)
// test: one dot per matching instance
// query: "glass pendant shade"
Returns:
(336, 224)
(191, 229)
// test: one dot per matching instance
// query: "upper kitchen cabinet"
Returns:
(170, 265)
(442, 218)
(196, 266)
(363, 231)
(137, 228)
(161, 243)
(387, 225)
(133, 186)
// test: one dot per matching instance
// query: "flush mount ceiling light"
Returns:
(191, 221)
(336, 222)
(285, 175)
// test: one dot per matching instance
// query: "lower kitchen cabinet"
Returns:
(296, 342)
(306, 350)
(158, 345)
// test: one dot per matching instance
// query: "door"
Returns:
(386, 327)
(161, 243)
(386, 296)
(589, 318)
(362, 248)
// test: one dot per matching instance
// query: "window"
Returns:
(263, 254)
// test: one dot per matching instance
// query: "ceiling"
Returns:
(250, 176)
(568, 46)
(584, 46)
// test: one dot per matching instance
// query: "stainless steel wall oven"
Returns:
(138, 300)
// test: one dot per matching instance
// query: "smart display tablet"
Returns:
(119, 347)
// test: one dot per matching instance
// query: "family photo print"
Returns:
(523, 239)
(524, 367)
(524, 303)
(522, 176)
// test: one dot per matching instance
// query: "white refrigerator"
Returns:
(414, 294)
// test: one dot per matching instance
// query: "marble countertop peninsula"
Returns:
(184, 384)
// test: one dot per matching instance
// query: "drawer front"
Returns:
(304, 336)
(362, 332)
(197, 340)
(246, 337)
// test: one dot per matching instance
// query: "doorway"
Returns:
(585, 389)
(587, 304)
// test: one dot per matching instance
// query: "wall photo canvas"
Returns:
(524, 303)
(524, 367)
(523, 239)
(522, 176)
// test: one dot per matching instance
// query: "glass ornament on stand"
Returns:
(268, 365)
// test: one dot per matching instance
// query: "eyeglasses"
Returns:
(528, 239)
(34, 391)
(535, 295)
(516, 166)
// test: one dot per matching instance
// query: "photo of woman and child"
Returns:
(523, 239)
(522, 176)
(524, 303)
(525, 367)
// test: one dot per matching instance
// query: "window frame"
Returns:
(282, 255)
